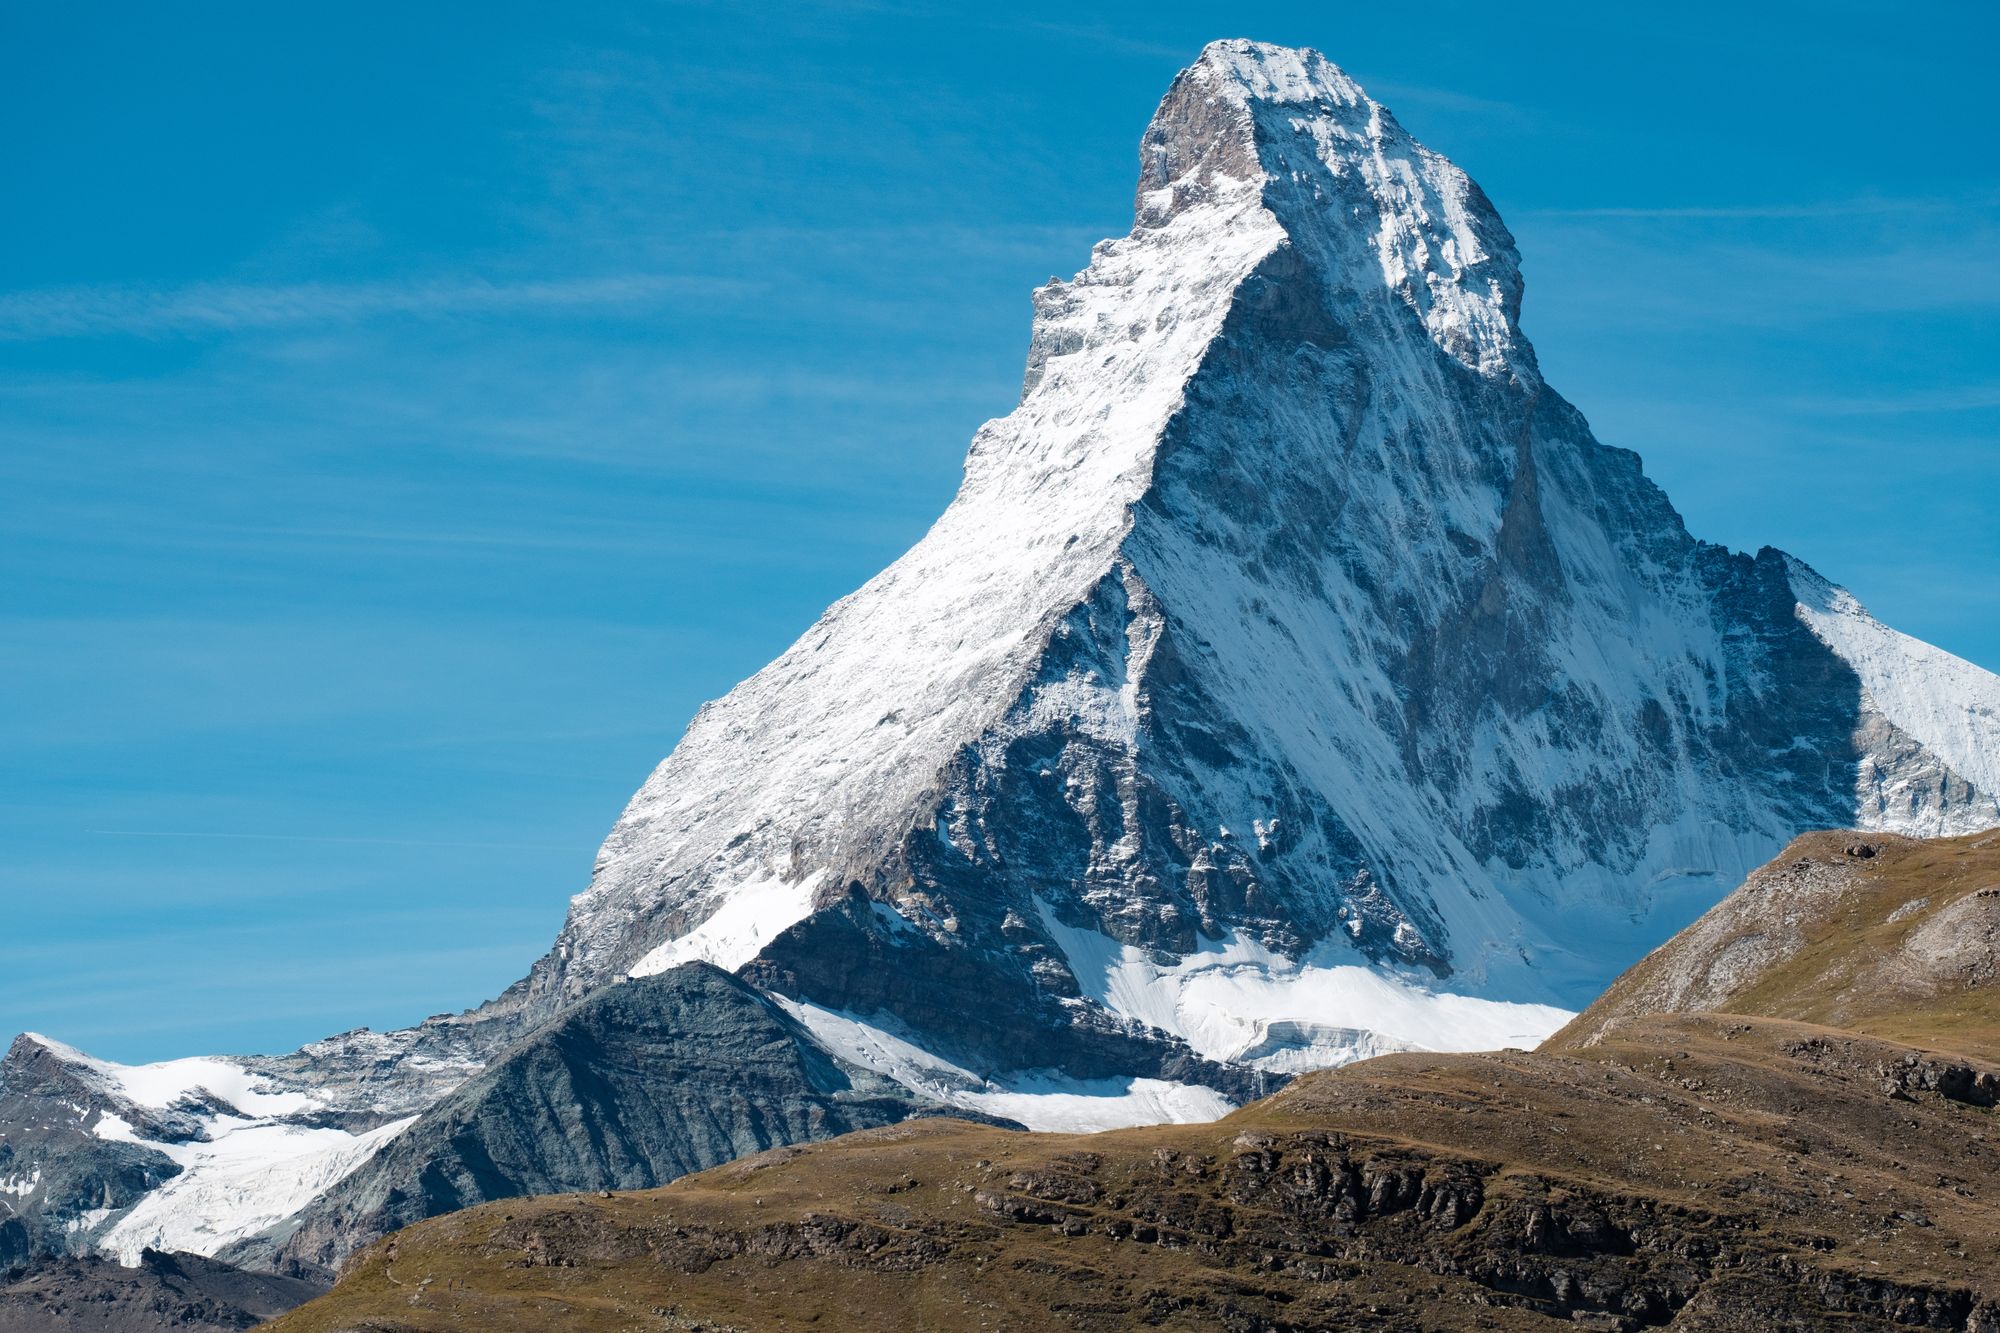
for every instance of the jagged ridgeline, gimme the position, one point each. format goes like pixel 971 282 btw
pixel 1293 678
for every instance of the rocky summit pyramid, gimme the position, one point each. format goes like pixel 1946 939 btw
pixel 1293 678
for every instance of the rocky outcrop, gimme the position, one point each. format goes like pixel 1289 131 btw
pixel 1887 935
pixel 162 1293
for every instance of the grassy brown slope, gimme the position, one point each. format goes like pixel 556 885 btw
pixel 1716 1173
pixel 1903 943
pixel 1647 1168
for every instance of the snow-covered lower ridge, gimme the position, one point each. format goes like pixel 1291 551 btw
pixel 246 1176
pixel 1950 705
pixel 1039 1100
pixel 1235 1000
pixel 248 1147
pixel 166 1083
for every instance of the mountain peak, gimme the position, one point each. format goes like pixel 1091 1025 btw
pixel 1202 143
pixel 1287 609
pixel 1265 71
pixel 1254 134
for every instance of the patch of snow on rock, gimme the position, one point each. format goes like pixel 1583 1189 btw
pixel 746 918
pixel 1042 1102
pixel 248 1176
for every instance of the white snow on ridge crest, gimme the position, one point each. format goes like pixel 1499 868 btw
pixel 1946 703
pixel 843 733
pixel 1278 73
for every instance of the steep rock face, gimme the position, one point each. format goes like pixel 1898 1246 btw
pixel 637 1085
pixel 1292 624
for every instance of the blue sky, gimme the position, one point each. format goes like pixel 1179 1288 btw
pixel 410 413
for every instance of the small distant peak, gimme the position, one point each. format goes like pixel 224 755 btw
pixel 1265 72
pixel 61 1050
pixel 1812 588
pixel 46 1043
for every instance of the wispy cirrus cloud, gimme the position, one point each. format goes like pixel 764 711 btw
pixel 1102 35
pixel 1396 92
pixel 1776 212
pixel 1973 398
pixel 223 307
pixel 329 838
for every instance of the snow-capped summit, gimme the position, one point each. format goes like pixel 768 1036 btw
pixel 1291 138
pixel 1264 170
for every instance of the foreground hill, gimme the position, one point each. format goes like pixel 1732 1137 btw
pixel 1651 1165
pixel 1896 937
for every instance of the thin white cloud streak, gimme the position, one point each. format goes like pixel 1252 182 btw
pixel 1394 91
pixel 1101 36
pixel 142 311
pixel 1832 208
pixel 1972 399
pixel 1710 283
pixel 307 837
